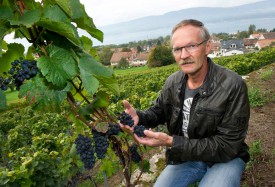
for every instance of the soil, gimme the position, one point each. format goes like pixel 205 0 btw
pixel 261 171
pixel 262 129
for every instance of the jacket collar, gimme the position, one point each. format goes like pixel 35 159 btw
pixel 208 85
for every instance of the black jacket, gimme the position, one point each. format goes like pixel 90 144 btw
pixel 218 118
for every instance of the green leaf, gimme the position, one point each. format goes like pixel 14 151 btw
pixel 71 7
pixel 87 43
pixel 59 66
pixel 101 100
pixel 22 32
pixel 73 150
pixel 30 52
pixel 55 13
pixel 42 96
pixel 5 14
pixel 29 18
pixel 4 45
pixel 3 101
pixel 92 72
pixel 15 51
pixel 86 23
pixel 64 29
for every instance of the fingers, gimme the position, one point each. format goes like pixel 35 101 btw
pixel 127 105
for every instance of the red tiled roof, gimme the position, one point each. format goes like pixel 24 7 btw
pixel 142 56
pixel 269 35
pixel 118 55
pixel 265 42
pixel 249 41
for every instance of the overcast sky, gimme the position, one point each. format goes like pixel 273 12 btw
pixel 106 12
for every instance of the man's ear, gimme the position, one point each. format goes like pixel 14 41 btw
pixel 208 47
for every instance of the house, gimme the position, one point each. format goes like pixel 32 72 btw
pixel 232 47
pixel 268 35
pixel 117 56
pixel 140 59
pixel 249 43
pixel 265 43
pixel 215 49
pixel 254 36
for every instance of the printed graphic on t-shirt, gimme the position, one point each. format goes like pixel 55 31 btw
pixel 186 113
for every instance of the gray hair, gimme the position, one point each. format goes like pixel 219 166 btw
pixel 203 31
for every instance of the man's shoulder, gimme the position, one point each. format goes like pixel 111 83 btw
pixel 175 77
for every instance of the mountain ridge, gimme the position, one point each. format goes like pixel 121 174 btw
pixel 216 19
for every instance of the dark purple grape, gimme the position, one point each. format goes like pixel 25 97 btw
pixel 126 119
pixel 139 130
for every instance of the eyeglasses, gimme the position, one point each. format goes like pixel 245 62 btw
pixel 189 48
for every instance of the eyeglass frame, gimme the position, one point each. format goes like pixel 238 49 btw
pixel 186 48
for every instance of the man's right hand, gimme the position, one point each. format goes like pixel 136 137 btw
pixel 131 111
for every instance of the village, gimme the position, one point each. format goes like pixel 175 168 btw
pixel 220 48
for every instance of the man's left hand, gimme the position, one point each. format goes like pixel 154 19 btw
pixel 155 139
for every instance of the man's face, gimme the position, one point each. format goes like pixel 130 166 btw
pixel 190 50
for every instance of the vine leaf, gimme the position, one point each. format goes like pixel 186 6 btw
pixel 71 7
pixel 5 13
pixel 59 66
pixel 41 96
pixel 100 101
pixel 29 18
pixel 77 13
pixel 62 28
pixel 3 100
pixel 55 13
pixel 92 72
pixel 15 51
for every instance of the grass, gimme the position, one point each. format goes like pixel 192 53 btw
pixel 256 98
pixel 12 97
pixel 267 74
pixel 130 70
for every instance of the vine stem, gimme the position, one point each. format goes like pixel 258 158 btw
pixel 81 118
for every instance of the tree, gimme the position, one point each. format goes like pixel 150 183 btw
pixel 123 63
pixel 139 49
pixel 261 30
pixel 105 55
pixel 125 49
pixel 251 29
pixel 242 34
pixel 160 56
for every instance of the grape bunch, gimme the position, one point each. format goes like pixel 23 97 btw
pixel 101 143
pixel 22 70
pixel 126 119
pixel 4 83
pixel 85 149
pixel 113 129
pixel 134 153
pixel 139 130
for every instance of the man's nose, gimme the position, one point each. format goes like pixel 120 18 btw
pixel 184 53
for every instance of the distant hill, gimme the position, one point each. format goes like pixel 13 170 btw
pixel 229 20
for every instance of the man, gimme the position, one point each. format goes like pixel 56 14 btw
pixel 206 110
